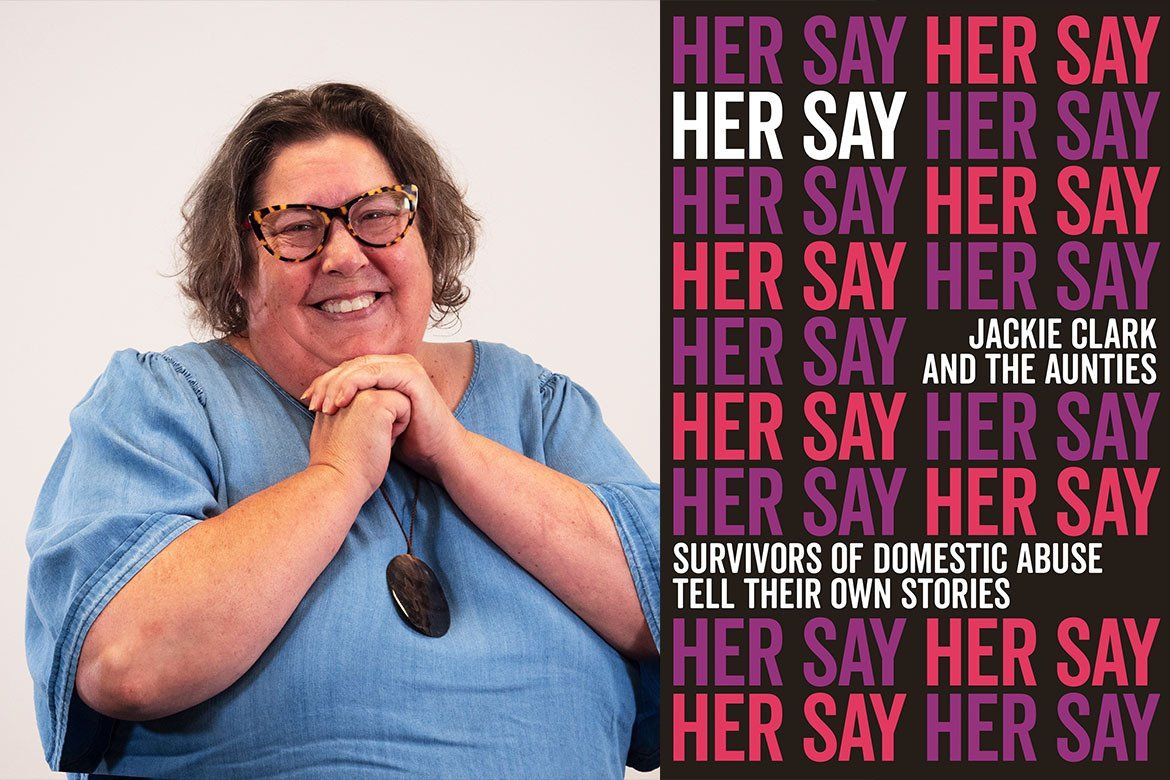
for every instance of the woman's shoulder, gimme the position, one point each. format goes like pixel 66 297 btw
pixel 514 364
pixel 488 376
pixel 468 361
pixel 141 375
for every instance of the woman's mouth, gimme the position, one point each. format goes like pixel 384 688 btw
pixel 344 307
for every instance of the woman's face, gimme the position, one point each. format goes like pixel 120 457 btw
pixel 287 328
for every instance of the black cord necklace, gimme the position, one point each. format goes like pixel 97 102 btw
pixel 414 588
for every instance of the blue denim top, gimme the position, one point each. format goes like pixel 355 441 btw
pixel 520 686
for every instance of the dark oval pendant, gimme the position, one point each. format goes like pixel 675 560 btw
pixel 418 595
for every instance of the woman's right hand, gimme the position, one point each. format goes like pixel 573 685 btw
pixel 357 439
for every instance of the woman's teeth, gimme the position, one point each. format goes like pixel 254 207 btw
pixel 338 306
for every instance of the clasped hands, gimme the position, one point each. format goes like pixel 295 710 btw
pixel 373 404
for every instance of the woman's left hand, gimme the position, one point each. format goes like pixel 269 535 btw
pixel 433 432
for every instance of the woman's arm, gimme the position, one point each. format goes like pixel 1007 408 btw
pixel 203 610
pixel 195 618
pixel 557 529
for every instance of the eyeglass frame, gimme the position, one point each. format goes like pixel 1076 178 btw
pixel 342 211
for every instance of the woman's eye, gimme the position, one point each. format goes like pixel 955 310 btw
pixel 299 227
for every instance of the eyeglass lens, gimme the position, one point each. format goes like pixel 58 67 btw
pixel 376 219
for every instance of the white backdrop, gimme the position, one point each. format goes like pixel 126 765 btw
pixel 540 108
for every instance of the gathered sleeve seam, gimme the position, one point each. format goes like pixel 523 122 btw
pixel 201 396
pixel 545 379
pixel 186 374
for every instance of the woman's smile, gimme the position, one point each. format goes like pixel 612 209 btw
pixel 357 307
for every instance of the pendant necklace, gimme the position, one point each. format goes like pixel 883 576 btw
pixel 414 588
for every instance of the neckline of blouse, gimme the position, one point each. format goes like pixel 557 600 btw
pixel 477 360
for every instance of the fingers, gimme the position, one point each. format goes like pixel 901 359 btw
pixel 401 407
pixel 393 403
pixel 397 404
pixel 336 388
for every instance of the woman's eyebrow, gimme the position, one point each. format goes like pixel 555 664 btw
pixel 327 202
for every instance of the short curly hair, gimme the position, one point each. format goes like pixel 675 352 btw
pixel 217 257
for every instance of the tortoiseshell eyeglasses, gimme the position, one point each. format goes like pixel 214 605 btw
pixel 295 232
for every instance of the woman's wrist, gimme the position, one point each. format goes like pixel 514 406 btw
pixel 339 485
pixel 453 459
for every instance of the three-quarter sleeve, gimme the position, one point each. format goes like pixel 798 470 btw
pixel 139 468
pixel 578 443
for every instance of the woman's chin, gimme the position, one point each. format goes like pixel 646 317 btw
pixel 383 342
pixel 378 333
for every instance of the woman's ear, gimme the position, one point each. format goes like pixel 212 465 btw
pixel 241 290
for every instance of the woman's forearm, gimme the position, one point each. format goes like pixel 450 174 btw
pixel 197 617
pixel 557 529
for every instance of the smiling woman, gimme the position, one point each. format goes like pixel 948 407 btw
pixel 252 551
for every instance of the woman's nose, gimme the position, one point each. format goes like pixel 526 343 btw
pixel 342 253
